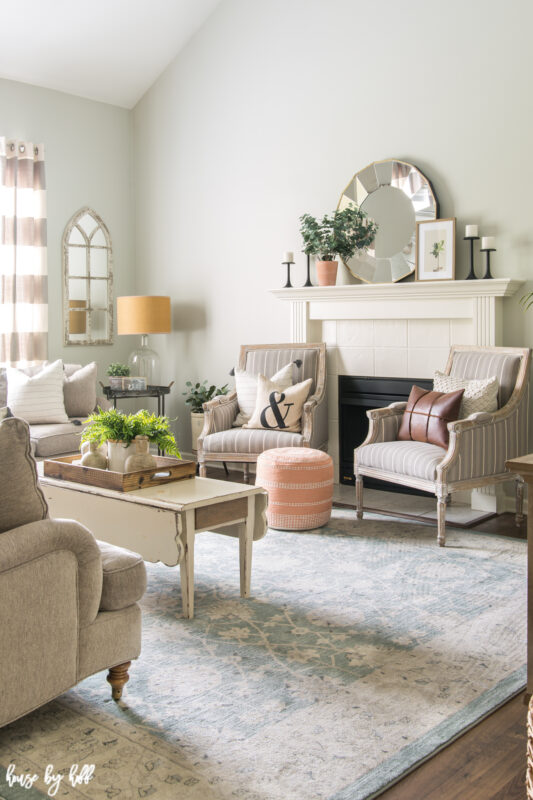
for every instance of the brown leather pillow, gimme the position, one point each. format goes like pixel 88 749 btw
pixel 427 415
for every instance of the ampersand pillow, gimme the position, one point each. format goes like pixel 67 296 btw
pixel 277 410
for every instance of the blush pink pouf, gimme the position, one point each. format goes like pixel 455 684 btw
pixel 299 482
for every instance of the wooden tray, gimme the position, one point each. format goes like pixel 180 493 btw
pixel 69 468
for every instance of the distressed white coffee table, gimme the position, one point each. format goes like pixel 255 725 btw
pixel 161 522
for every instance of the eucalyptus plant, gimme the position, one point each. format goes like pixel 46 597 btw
pixel 117 426
pixel 340 234
pixel 118 370
pixel 199 393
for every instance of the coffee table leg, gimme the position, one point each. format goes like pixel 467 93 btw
pixel 246 534
pixel 187 567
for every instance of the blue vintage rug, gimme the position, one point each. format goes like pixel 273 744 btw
pixel 365 648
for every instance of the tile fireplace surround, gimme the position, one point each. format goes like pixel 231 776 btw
pixel 396 330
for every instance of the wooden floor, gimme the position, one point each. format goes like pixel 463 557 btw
pixel 489 761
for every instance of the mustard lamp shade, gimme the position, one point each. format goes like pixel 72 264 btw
pixel 138 314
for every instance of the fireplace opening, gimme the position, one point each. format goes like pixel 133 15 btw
pixel 358 394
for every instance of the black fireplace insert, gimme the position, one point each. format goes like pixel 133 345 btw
pixel 356 396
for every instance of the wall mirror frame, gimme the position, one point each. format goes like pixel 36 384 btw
pixel 397 195
pixel 87 255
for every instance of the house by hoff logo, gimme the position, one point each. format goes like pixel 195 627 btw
pixel 275 406
pixel 76 775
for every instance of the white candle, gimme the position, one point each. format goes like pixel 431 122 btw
pixel 471 230
pixel 288 257
pixel 488 243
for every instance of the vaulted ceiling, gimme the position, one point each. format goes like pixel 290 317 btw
pixel 107 50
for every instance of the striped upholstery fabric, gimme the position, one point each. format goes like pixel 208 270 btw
pixel 223 416
pixel 485 449
pixel 268 362
pixel 474 364
pixel 299 482
pixel 416 459
pixel 386 428
pixel 245 440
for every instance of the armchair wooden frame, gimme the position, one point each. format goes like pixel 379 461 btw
pixel 466 463
pixel 220 412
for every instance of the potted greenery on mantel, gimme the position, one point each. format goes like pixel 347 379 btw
pixel 195 396
pixel 341 234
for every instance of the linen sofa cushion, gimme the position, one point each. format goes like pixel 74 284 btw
pixel 473 364
pixel 416 459
pixel 37 399
pixel 124 577
pixel 427 414
pixel 21 499
pixel 79 391
pixel 246 387
pixel 279 410
pixel 252 441
pixel 55 438
pixel 479 395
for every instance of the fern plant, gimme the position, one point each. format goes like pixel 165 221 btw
pixel 116 426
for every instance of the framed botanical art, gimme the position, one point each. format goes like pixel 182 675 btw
pixel 435 250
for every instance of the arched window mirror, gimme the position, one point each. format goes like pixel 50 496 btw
pixel 87 280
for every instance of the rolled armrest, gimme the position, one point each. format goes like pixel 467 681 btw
pixel 219 414
pixel 388 411
pixel 384 423
pixel 36 539
pixel 473 421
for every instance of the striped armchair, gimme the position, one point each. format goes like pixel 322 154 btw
pixel 479 445
pixel 220 441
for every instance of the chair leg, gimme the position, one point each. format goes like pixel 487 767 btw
pixel 118 677
pixel 358 497
pixel 519 516
pixel 202 469
pixel 246 472
pixel 441 519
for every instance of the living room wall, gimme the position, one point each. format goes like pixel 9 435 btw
pixel 267 114
pixel 88 160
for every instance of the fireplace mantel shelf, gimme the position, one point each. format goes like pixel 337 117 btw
pixel 479 301
pixel 496 287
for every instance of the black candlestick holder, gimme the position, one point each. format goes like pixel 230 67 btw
pixel 471 275
pixel 308 281
pixel 488 251
pixel 288 285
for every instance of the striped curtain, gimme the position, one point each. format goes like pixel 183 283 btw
pixel 23 270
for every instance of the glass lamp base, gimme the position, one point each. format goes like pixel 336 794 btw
pixel 144 363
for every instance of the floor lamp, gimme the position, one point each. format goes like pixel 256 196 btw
pixel 144 315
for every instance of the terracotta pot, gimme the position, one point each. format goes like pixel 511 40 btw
pixel 326 272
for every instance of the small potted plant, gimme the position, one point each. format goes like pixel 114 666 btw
pixel 119 430
pixel 341 234
pixel 196 395
pixel 117 372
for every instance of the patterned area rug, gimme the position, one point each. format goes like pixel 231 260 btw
pixel 364 649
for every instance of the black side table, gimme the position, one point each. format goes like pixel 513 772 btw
pixel 150 391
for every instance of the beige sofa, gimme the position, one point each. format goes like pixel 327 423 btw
pixel 54 439
pixel 69 604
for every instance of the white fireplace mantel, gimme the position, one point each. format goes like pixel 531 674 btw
pixel 476 300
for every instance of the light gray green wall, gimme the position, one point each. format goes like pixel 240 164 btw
pixel 88 163
pixel 271 109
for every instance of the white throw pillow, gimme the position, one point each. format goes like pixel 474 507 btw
pixel 246 388
pixel 277 410
pixel 37 399
pixel 79 390
pixel 481 394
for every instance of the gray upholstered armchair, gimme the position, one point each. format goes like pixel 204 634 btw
pixel 479 445
pixel 220 441
pixel 68 603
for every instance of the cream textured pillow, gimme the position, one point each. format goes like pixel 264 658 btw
pixel 246 388
pixel 277 410
pixel 37 399
pixel 79 391
pixel 481 394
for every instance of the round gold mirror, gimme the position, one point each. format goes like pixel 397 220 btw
pixel 397 196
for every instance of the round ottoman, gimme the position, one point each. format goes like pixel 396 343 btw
pixel 299 482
